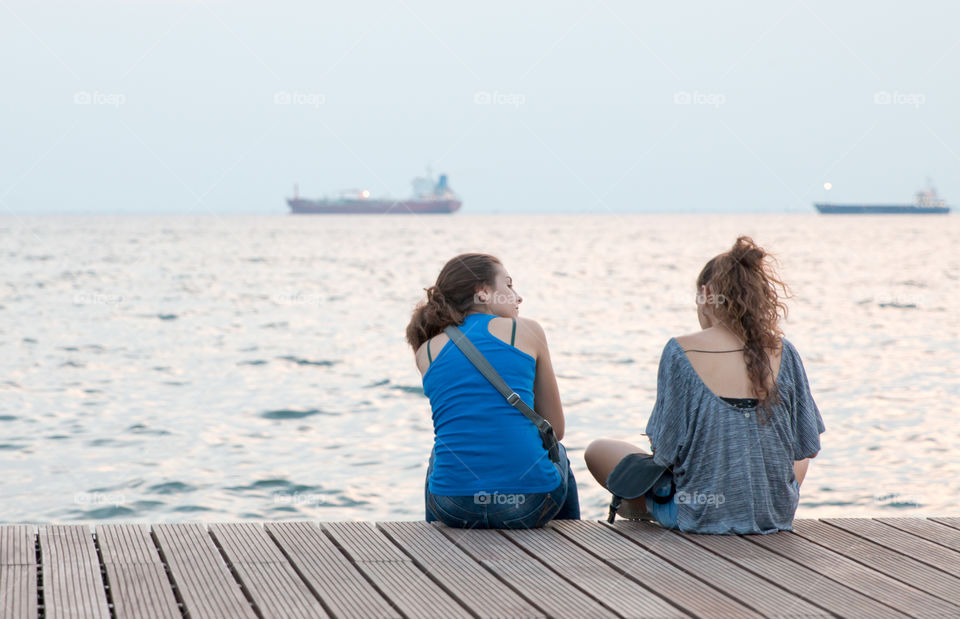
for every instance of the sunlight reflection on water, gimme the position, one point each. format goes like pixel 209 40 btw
pixel 182 368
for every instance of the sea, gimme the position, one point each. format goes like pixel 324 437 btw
pixel 207 368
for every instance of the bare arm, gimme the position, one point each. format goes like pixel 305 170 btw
pixel 800 468
pixel 545 391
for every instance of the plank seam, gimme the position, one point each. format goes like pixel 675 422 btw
pixel 166 568
pixel 932 541
pixel 41 609
pixel 665 560
pixel 234 573
pixel 484 565
pixel 946 524
pixel 426 572
pixel 618 570
pixel 300 574
pixel 899 552
pixel 362 571
pixel 103 577
pixel 891 576
pixel 841 583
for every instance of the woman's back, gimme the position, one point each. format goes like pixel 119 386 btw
pixel 718 358
pixel 482 442
pixel 733 472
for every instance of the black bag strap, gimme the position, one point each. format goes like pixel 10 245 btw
pixel 480 362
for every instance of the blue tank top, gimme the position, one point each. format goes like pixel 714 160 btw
pixel 481 442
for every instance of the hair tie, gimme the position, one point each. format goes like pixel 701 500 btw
pixel 434 294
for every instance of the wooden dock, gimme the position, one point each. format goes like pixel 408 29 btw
pixel 857 567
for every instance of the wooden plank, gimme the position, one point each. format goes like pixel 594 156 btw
pixel 276 588
pixel 18 591
pixel 529 577
pixel 18 571
pixel 456 572
pixel 832 561
pixel 763 596
pixel 895 565
pixel 204 582
pixel 72 583
pixel 900 541
pixel 950 522
pixel 17 545
pixel 328 572
pixel 392 572
pixel 792 572
pixel 927 529
pixel 138 582
pixel 889 567
pixel 617 589
pixel 682 589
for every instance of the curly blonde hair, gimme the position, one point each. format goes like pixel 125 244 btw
pixel 745 286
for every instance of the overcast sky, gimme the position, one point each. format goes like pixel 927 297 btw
pixel 183 106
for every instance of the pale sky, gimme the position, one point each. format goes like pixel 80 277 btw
pixel 211 106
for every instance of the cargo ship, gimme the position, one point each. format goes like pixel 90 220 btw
pixel 428 197
pixel 926 202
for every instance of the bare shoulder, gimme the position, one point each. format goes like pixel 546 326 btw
pixel 692 340
pixel 526 324
pixel 709 339
pixel 421 356
pixel 526 334
pixel 530 325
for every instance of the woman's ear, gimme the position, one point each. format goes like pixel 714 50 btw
pixel 482 294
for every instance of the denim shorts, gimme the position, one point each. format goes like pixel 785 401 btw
pixel 664 513
pixel 493 510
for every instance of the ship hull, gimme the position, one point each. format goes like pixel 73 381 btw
pixel 880 209
pixel 372 207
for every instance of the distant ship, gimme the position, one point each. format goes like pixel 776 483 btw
pixel 428 197
pixel 925 202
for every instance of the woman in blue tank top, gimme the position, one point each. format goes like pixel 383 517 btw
pixel 488 467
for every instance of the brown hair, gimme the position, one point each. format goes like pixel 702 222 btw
pixel 452 295
pixel 744 283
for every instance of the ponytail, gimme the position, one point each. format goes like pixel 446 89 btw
pixel 745 286
pixel 449 299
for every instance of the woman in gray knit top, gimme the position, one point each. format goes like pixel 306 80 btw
pixel 734 418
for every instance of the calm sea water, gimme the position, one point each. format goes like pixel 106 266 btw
pixel 218 368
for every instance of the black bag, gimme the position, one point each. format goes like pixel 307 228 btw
pixel 633 477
